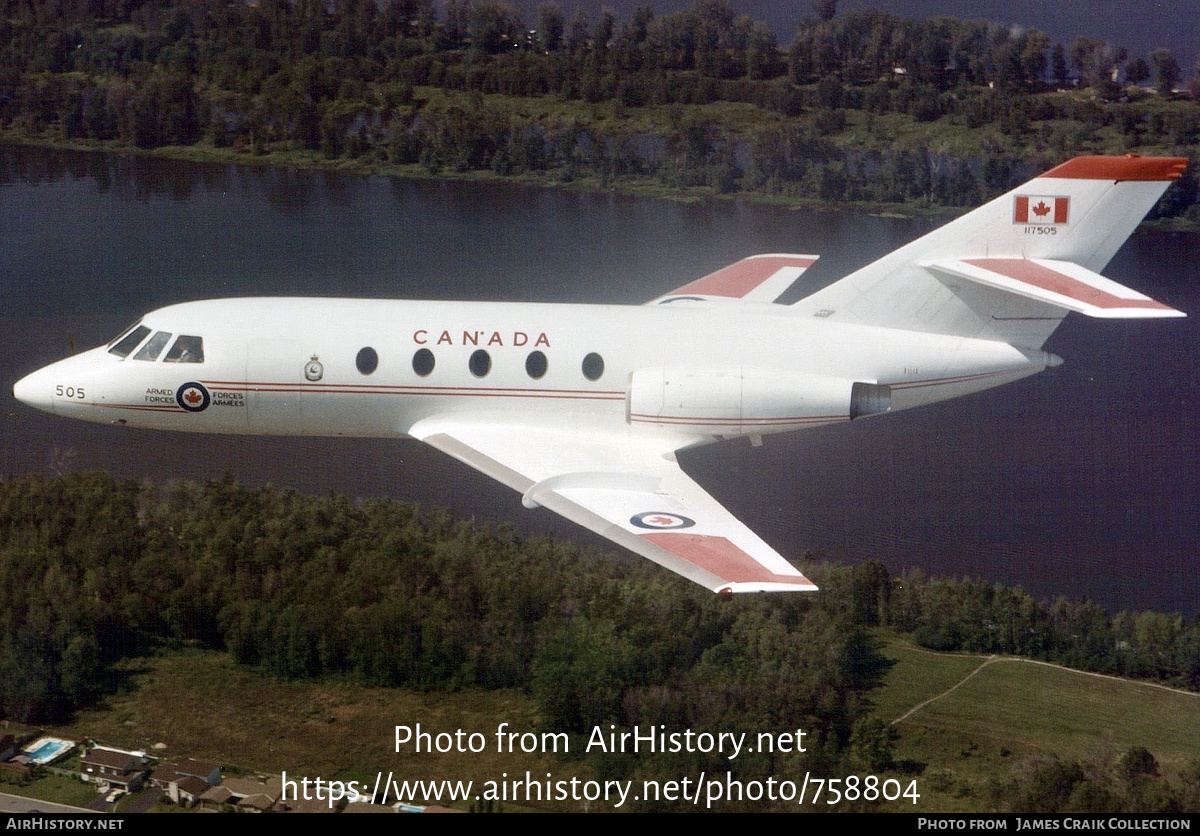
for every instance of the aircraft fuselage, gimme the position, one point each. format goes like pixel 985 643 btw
pixel 372 368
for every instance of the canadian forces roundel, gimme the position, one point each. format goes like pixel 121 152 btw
pixel 192 396
pixel 660 520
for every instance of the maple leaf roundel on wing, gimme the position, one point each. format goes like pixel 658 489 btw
pixel 661 520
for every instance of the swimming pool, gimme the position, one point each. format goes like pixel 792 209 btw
pixel 47 749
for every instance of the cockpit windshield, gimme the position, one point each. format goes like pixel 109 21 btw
pixel 123 345
pixel 187 348
pixel 153 346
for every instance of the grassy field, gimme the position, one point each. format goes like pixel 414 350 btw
pixel 202 705
pixel 1011 713
pixel 974 724
pixel 57 788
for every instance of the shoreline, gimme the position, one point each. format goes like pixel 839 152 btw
pixel 641 187
pixel 637 187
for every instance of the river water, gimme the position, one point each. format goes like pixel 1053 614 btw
pixel 1080 481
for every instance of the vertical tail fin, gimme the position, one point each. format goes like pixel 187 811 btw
pixel 1071 220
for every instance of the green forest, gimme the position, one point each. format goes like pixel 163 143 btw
pixel 861 106
pixel 378 592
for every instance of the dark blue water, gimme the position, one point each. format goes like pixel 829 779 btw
pixel 1078 482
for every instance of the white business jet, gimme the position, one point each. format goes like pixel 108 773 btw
pixel 582 408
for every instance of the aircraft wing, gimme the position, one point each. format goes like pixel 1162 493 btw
pixel 626 487
pixel 758 278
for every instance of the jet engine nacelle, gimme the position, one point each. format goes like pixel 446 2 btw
pixel 746 401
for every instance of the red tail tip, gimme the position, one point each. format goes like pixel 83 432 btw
pixel 1129 167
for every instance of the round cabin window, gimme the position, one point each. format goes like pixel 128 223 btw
pixel 536 365
pixel 423 362
pixel 593 366
pixel 480 363
pixel 367 360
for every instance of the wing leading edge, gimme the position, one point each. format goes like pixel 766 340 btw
pixel 629 489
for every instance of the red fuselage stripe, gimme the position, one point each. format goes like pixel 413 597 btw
pixel 532 394
pixel 943 381
pixel 700 419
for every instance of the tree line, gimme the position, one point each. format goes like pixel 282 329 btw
pixel 378 592
pixel 93 570
pixel 403 83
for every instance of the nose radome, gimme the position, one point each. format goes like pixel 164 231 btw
pixel 35 390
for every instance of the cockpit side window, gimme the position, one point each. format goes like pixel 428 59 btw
pixel 186 350
pixel 126 330
pixel 129 342
pixel 153 346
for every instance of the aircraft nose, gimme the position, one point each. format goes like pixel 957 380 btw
pixel 35 390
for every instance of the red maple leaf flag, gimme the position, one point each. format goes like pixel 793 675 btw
pixel 1040 209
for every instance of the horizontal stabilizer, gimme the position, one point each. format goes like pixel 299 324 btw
pixel 1059 283
pixel 758 278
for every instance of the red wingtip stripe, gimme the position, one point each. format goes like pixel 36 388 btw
pixel 738 279
pixel 1129 167
pixel 720 557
